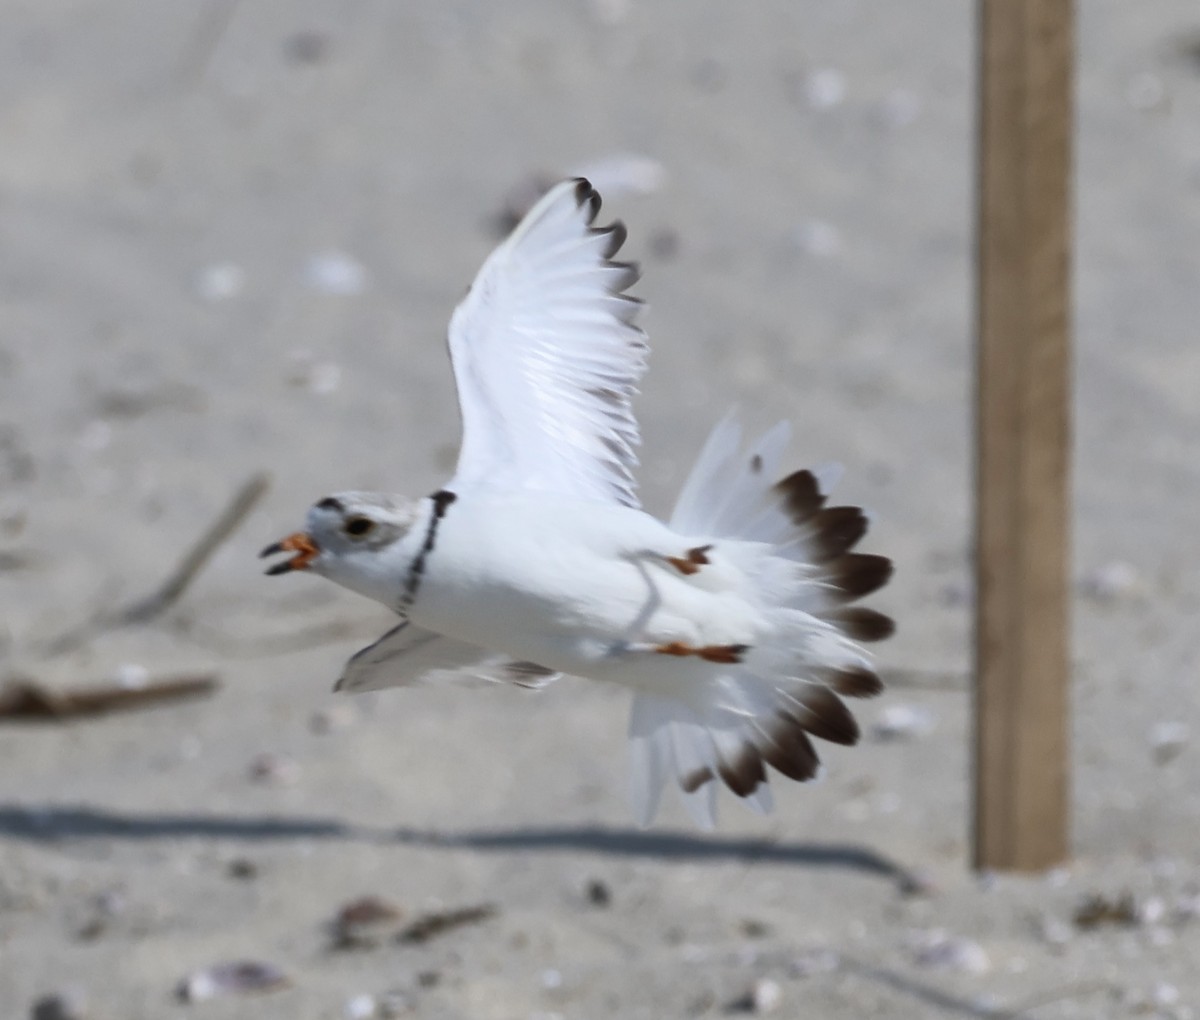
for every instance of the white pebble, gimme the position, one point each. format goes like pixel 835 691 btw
pixel 904 721
pixel 220 282
pixel 941 951
pixel 1111 582
pixel 1151 910
pixel 131 675
pixel 1165 994
pixel 899 109
pixel 825 88
pixel 238 977
pixel 1168 739
pixel 361 1007
pixel 816 237
pixel 766 996
pixel 324 377
pixel 335 272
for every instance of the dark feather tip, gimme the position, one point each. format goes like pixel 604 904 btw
pixel 837 530
pixel 801 494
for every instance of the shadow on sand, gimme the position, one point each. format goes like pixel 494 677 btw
pixel 50 824
pixel 60 824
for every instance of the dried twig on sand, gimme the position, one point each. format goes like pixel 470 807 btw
pixel 179 580
pixel 198 555
pixel 22 700
pixel 431 925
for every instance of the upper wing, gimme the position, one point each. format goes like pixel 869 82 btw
pixel 547 358
pixel 408 654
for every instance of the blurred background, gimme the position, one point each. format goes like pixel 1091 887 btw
pixel 231 235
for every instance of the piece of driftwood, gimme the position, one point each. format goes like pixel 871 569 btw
pixel 27 700
pixel 431 925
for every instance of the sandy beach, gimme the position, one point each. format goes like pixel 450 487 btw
pixel 231 236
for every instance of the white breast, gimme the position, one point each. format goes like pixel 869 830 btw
pixel 564 584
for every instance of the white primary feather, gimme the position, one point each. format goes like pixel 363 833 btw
pixel 729 725
pixel 546 358
pixel 408 654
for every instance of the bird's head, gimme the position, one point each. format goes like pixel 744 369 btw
pixel 352 538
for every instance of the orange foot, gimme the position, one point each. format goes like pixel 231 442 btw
pixel 692 561
pixel 709 653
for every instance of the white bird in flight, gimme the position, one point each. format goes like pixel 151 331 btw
pixel 733 623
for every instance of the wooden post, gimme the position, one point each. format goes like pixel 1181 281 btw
pixel 1022 807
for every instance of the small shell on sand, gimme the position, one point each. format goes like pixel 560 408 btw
pixel 274 768
pixel 1168 740
pixel 335 272
pixel 941 951
pixel 362 923
pixel 237 977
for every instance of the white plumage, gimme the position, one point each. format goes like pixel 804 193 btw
pixel 732 623
pixel 547 359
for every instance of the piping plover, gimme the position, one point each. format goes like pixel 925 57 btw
pixel 734 623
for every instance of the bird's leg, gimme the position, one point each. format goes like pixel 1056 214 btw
pixel 709 653
pixel 728 654
pixel 691 561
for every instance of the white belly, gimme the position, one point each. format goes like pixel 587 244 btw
pixel 562 584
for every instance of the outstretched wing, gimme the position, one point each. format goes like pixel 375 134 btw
pixel 547 358
pixel 408 655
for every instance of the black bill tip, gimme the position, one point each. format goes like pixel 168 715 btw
pixel 279 568
pixel 271 550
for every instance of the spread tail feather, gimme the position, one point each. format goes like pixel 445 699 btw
pixel 766 710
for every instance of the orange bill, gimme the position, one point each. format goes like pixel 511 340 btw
pixel 301 544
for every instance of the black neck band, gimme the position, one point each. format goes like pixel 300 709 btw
pixel 441 502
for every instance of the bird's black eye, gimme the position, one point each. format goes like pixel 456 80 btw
pixel 356 527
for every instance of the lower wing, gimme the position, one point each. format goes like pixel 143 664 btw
pixel 408 654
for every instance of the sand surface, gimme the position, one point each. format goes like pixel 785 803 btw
pixel 231 234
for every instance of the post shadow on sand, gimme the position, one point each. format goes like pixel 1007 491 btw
pixel 59 823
